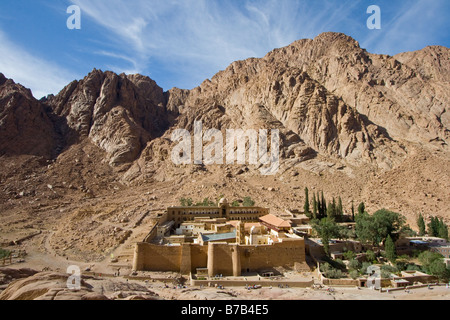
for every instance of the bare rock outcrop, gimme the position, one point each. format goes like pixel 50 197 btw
pixel 47 286
pixel 119 113
pixel 25 127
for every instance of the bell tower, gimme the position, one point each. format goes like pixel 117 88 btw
pixel 223 206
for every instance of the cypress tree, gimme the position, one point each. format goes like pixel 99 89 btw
pixel 335 209
pixel 421 225
pixel 433 227
pixel 389 247
pixel 340 209
pixel 361 208
pixel 306 206
pixel 314 207
pixel 324 206
pixel 442 230
pixel 319 207
pixel 353 211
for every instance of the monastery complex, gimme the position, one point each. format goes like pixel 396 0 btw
pixel 222 240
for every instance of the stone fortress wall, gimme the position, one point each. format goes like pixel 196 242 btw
pixel 227 259
pixel 218 258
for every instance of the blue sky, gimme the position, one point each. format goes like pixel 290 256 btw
pixel 180 43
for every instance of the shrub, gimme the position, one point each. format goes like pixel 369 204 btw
pixel 371 256
pixel 354 274
pixel 354 264
pixel 334 274
pixel 349 255
pixel 389 269
pixel 339 264
pixel 4 253
pixel 364 267
pixel 330 272
pixel 248 202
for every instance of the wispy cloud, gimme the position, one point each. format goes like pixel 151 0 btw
pixel 41 76
pixel 196 38
pixel 412 26
pixel 187 41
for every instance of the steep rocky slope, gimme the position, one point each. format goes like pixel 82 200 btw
pixel 118 113
pixel 25 127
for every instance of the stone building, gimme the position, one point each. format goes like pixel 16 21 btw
pixel 224 210
pixel 217 249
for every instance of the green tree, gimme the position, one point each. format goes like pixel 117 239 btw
pixel 319 207
pixel 364 228
pixel 314 214
pixel 421 225
pixel 331 210
pixel 364 267
pixel 371 256
pixel 361 208
pixel 186 202
pixel 306 206
pixel 327 229
pixel 324 206
pixel 433 264
pixel 353 211
pixel 248 202
pixel 349 255
pixel 433 227
pixel 442 230
pixel 354 264
pixel 376 228
pixel 339 209
pixel 389 247
pixel 235 203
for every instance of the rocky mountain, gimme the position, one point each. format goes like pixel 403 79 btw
pixel 118 113
pixel 327 95
pixel 363 126
pixel 25 127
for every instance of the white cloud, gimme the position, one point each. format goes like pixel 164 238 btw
pixel 416 25
pixel 197 37
pixel 41 76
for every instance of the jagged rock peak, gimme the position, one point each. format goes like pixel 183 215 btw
pixel 119 113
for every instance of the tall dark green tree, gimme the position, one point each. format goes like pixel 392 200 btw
pixel 353 211
pixel 421 225
pixel 324 207
pixel 442 230
pixel 389 248
pixel 339 209
pixel 331 209
pixel 433 227
pixel 314 214
pixel 306 205
pixel 361 208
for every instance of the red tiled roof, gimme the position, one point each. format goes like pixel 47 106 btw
pixel 272 220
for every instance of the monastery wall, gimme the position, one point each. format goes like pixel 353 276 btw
pixel 219 258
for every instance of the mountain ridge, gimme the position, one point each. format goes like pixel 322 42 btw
pixel 363 126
